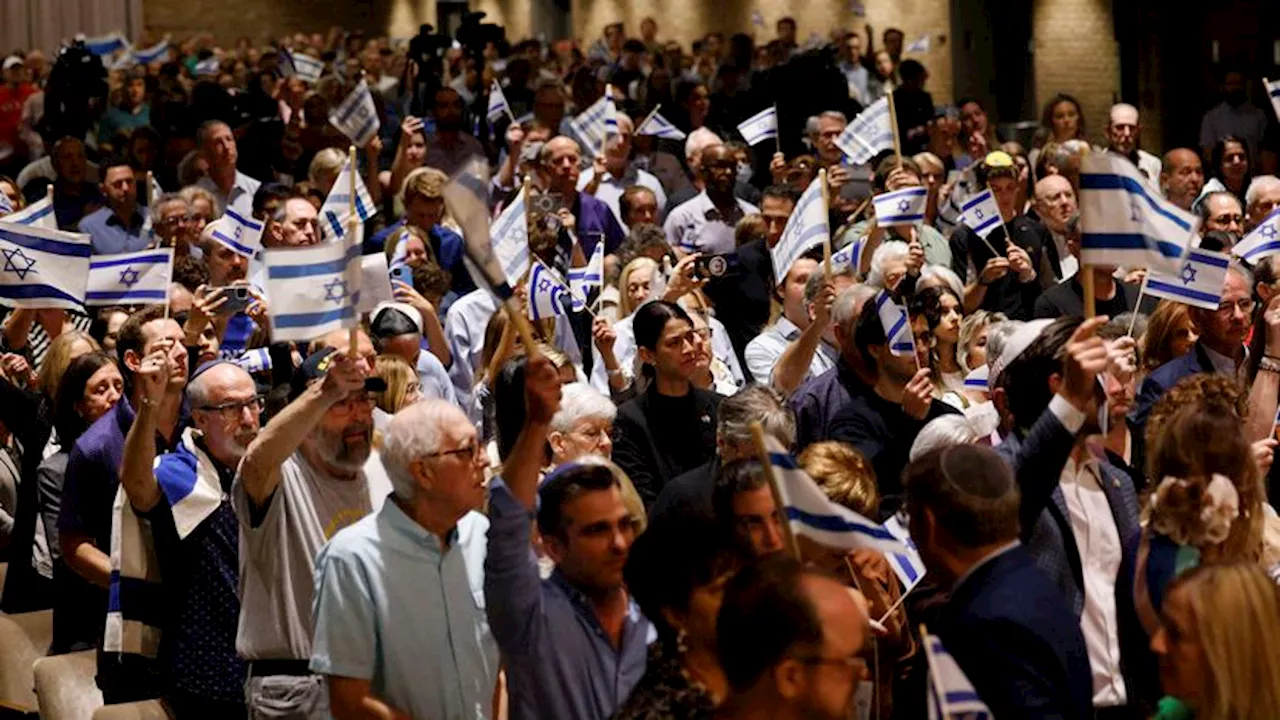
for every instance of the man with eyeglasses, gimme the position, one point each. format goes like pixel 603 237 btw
pixel 1221 212
pixel 1220 348
pixel 373 619
pixel 301 481
pixel 194 530
pixel 174 226
pixel 791 640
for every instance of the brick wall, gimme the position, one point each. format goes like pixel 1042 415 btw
pixel 1076 53
pixel 261 19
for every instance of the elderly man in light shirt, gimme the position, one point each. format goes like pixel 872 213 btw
pixel 763 353
pixel 1260 199
pixel 400 624
pixel 620 173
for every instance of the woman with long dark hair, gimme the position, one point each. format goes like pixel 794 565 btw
pixel 670 428
pixel 1229 165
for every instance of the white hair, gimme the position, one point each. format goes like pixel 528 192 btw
pixel 944 273
pixel 699 140
pixel 946 431
pixel 888 251
pixel 1259 185
pixel 579 401
pixel 413 433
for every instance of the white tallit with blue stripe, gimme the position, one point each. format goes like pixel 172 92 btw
pixel 190 484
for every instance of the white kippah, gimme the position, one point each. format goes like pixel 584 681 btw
pixel 1015 345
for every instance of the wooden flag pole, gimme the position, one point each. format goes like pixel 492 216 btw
pixel 762 454
pixel 1086 282
pixel 826 240
pixel 648 117
pixel 893 121
pixel 353 335
pixel 1133 321
pixel 1008 240
pixel 777 132
pixel 514 307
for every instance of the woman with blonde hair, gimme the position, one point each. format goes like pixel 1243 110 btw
pixel 1219 645
pixel 66 347
pixel 634 283
pixel 403 386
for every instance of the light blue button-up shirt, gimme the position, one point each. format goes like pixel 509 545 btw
pixel 395 608
pixel 240 197
pixel 764 351
pixel 560 663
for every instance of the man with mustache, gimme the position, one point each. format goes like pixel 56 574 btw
pixel 301 481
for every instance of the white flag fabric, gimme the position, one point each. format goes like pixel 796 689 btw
pixel 977 378
pixel 497 103
pixel 1199 283
pixel 136 278
pixel 254 361
pixel 761 126
pixel 908 566
pixel 900 207
pixel 1261 242
pixel 357 116
pixel 336 210
pixel 313 290
pixel 590 126
pixel 951 695
pixel 510 237
pixel 896 323
pixel 38 214
pixel 304 66
pixel 981 214
pixel 106 44
pixel 43 268
pixel 548 297
pixel 610 113
pixel 849 256
pixel 870 134
pixel 375 282
pixel 812 514
pixel 154 192
pixel 1273 92
pixel 208 67
pixel 1124 222
pixel 806 229
pixel 919 45
pixel 659 126
pixel 238 232
pixel 585 279
pixel 6 206
pixel 156 52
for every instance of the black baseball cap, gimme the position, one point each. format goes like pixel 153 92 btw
pixel 316 366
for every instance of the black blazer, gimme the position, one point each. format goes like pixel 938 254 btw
pixel 638 454
pixel 1011 632
pixel 1006 295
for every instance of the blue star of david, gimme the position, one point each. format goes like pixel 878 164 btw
pixel 129 277
pixel 799 226
pixel 335 291
pixel 1268 230
pixel 978 213
pixel 239 232
pixel 17 262
pixel 903 205
pixel 1188 274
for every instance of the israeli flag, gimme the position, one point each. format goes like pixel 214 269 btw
pixel 136 278
pixel 106 44
pixel 304 66
pixel 548 297
pixel 313 290
pixel 238 232
pixel 6 206
pixel 806 229
pixel 254 361
pixel 870 134
pixel 1200 282
pixel 761 126
pixel 43 268
pixel 849 256
pixel 510 238
pixel 1261 242
pixel 336 211
pixel 981 214
pixel 610 113
pixel 156 52
pixel 907 565
pixel 659 126
pixel 497 103
pixel 897 325
pixel 919 45
pixel 1273 92
pixel 1124 222
pixel 37 214
pixel 951 695
pixel 757 18
pixel 357 116
pixel 812 514
pixel 900 207
pixel 977 378
pixel 590 126
pixel 208 67
pixel 585 279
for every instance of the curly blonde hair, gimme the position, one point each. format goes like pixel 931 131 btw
pixel 843 474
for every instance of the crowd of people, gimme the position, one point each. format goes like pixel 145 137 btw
pixel 430 517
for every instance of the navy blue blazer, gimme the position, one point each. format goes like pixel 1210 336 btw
pixel 1153 388
pixel 1014 636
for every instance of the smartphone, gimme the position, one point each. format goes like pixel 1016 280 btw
pixel 715 266
pixel 403 273
pixel 548 202
pixel 237 297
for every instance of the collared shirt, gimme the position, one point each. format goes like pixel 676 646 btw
pixel 240 197
pixel 818 400
pixel 611 188
pixel 1223 364
pixel 1098 542
pixel 1068 262
pixel 856 75
pixel 110 235
pixel 596 223
pixel 762 353
pixel 697 226
pixel 560 663
pixel 434 379
pixel 994 554
pixel 396 608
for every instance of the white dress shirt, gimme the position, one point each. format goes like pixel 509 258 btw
pixel 696 226
pixel 764 351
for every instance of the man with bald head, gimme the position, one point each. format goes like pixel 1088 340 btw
pixel 1181 177
pixel 705 223
pixel 560 168
pixel 1124 137
pixel 1056 205
pixel 1262 197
